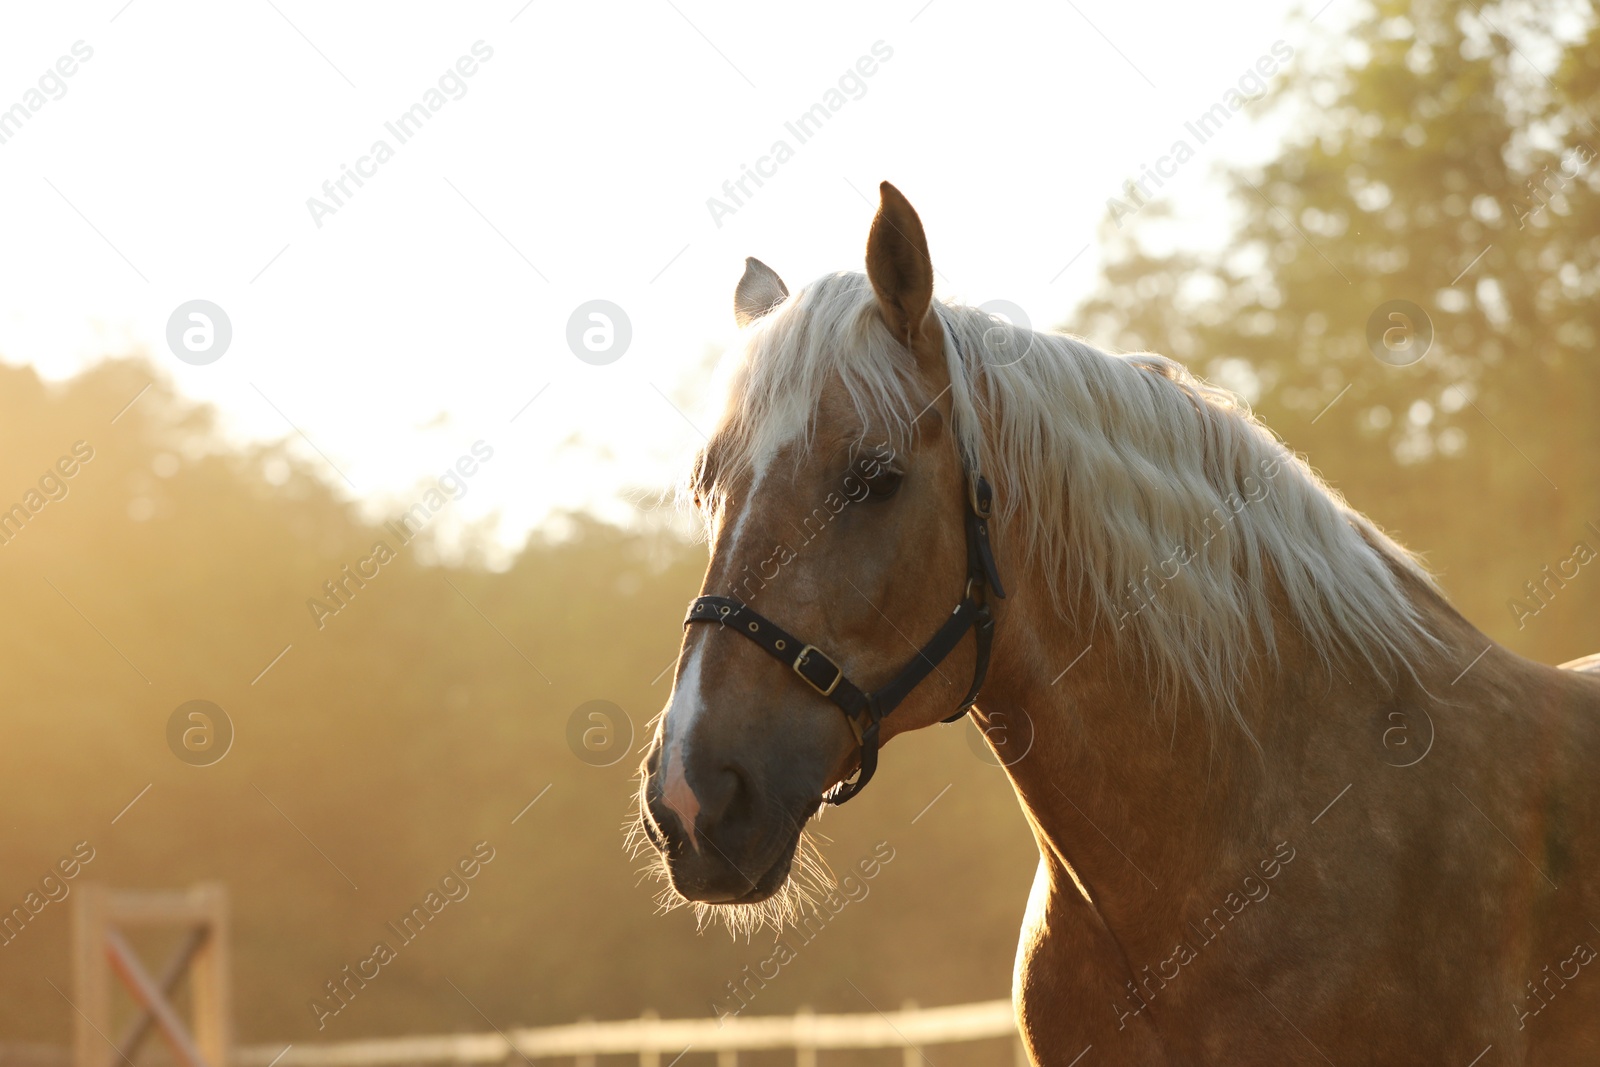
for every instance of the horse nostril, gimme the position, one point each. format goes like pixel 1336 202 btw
pixel 726 798
pixel 690 804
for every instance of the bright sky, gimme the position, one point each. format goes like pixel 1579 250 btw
pixel 175 164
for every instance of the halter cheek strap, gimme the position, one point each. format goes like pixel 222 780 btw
pixel 866 709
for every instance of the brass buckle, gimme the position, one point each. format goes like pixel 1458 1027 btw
pixel 979 507
pixel 838 671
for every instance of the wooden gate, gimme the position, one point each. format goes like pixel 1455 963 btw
pixel 100 951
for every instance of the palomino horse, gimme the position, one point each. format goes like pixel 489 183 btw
pixel 1290 806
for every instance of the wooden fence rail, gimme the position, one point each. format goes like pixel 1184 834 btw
pixel 656 1041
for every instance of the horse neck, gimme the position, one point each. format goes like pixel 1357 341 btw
pixel 1139 797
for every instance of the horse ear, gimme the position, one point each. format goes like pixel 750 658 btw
pixel 899 266
pixel 759 291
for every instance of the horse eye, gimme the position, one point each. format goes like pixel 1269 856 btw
pixel 884 484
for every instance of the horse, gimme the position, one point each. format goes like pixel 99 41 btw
pixel 1290 806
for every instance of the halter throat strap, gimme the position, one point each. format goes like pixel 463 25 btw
pixel 865 709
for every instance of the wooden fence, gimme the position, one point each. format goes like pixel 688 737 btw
pixel 102 956
pixel 659 1042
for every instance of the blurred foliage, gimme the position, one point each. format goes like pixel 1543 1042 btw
pixel 405 731
pixel 1447 157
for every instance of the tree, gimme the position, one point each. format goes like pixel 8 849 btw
pixel 1446 157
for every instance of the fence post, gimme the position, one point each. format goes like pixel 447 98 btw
pixel 91 977
pixel 585 1059
pixel 911 1055
pixel 649 1055
pixel 210 991
pixel 805 1049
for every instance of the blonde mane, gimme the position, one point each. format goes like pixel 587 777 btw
pixel 1154 499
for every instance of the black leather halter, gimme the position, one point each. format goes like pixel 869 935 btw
pixel 865 709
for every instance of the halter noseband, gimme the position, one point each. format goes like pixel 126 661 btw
pixel 865 710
